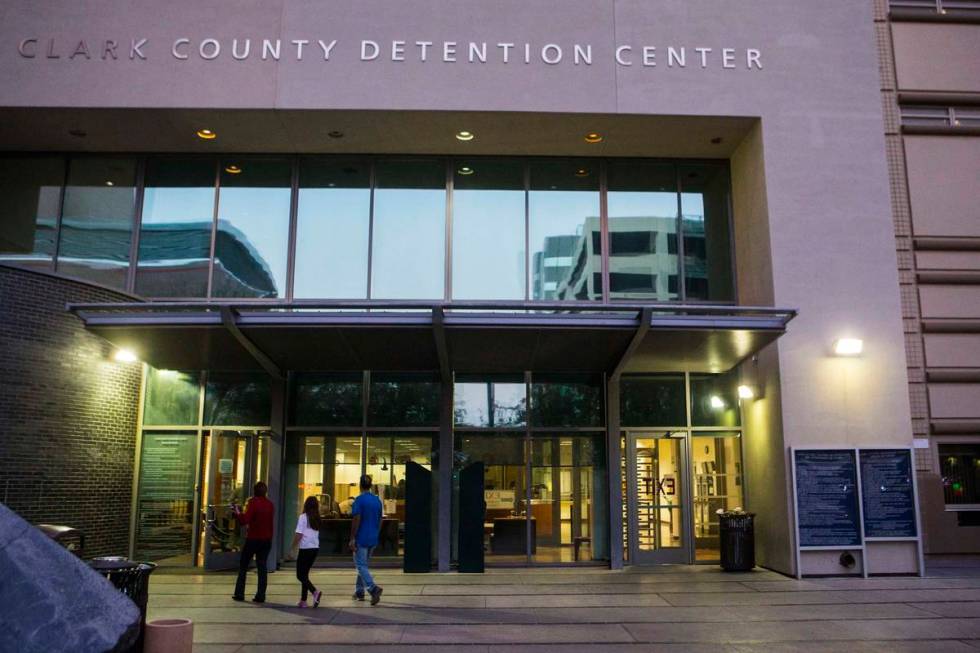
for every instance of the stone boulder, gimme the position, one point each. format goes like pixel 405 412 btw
pixel 51 601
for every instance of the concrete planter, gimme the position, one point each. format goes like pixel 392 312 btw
pixel 169 636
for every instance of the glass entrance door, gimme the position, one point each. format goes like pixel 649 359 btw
pixel 656 488
pixel 229 473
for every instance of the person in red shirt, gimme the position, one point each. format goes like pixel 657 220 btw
pixel 258 518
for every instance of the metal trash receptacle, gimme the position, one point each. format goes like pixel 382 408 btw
pixel 737 535
pixel 132 579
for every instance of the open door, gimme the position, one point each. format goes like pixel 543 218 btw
pixel 229 474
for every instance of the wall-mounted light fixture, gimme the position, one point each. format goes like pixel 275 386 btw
pixel 848 347
pixel 747 392
pixel 124 356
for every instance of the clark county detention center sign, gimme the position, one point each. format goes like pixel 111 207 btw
pixel 79 49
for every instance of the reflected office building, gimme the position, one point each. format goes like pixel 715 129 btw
pixel 564 300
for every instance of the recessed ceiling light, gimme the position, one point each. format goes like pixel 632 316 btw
pixel 593 137
pixel 582 172
pixel 465 170
pixel 465 136
pixel 716 140
pixel 335 134
pixel 78 133
pixel 233 170
pixel 206 134
pixel 109 183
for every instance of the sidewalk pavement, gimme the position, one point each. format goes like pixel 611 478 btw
pixel 549 610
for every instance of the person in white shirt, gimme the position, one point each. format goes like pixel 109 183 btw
pixel 307 540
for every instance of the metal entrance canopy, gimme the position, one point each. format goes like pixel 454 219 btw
pixel 479 337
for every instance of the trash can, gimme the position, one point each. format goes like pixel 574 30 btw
pixel 132 579
pixel 737 534
pixel 70 538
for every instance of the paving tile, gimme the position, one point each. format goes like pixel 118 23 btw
pixel 552 615
pixel 815 598
pixel 249 633
pixel 587 589
pixel 527 634
pixel 231 615
pixel 807 631
pixel 354 648
pixel 951 609
pixel 575 600
pixel 918 646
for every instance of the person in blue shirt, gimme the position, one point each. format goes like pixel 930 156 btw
pixel 364 531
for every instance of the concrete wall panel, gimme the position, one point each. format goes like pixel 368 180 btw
pixel 937 56
pixel 944 178
pixel 955 400
pixel 950 301
pixel 952 350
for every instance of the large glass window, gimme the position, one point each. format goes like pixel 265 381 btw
pixel 329 468
pixel 504 489
pixel 568 497
pixel 714 400
pixel 652 401
pixel 566 400
pixel 175 234
pixel 237 400
pixel 960 465
pixel 327 400
pixel 31 192
pixel 97 222
pixel 172 398
pixel 332 228
pixel 488 229
pixel 401 400
pixel 252 239
pixel 707 237
pixel 387 458
pixel 165 499
pixel 409 238
pixel 642 205
pixel 717 481
pixel 497 403
pixel 565 231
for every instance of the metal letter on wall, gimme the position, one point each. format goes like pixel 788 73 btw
pixel 418 519
pixel 472 508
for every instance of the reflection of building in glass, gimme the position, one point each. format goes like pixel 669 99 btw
pixel 175 250
pixel 643 261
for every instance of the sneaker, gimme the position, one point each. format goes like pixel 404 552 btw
pixel 316 598
pixel 376 595
pixel 302 604
pixel 237 598
pixel 357 596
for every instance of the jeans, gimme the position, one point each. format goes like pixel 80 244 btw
pixel 364 579
pixel 304 562
pixel 260 550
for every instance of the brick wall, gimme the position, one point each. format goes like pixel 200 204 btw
pixel 67 412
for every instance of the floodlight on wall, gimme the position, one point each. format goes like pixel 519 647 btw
pixel 848 347
pixel 124 356
pixel 747 392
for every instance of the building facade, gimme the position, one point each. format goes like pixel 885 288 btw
pixel 605 251
pixel 931 90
